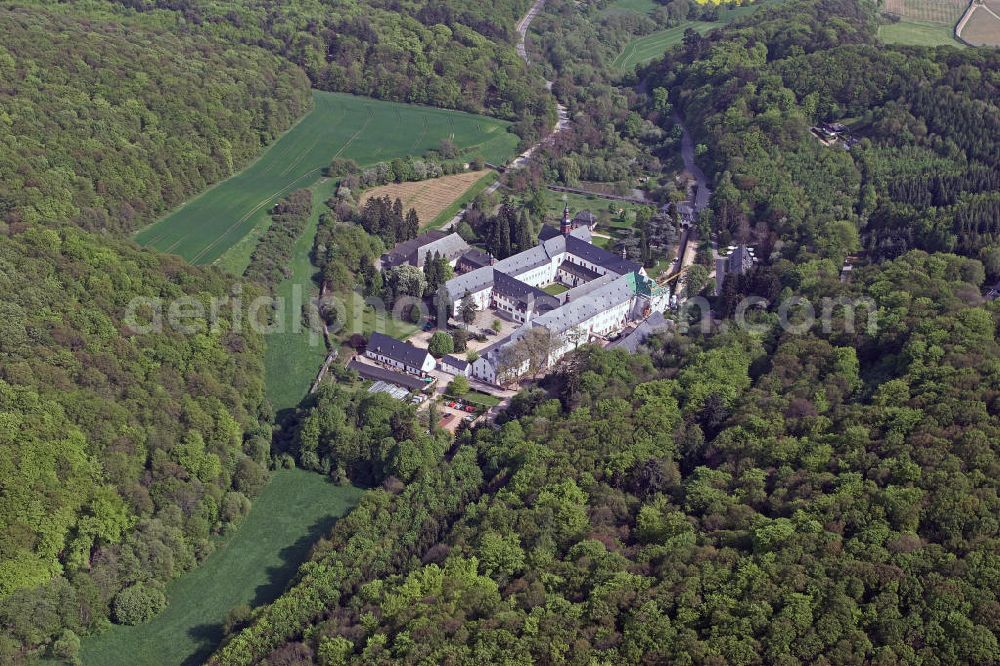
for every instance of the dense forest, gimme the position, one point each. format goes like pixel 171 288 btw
pixel 738 497
pixel 125 451
pixel 108 123
pixel 922 172
pixel 443 53
pixel 827 498
pixel 123 448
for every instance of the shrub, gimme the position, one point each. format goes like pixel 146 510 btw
pixel 138 603
pixel 440 344
pixel 459 386
pixel 67 647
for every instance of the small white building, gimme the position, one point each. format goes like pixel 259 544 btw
pixel 399 355
pixel 455 366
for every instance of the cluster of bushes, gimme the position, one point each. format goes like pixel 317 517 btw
pixel 400 170
pixel 269 261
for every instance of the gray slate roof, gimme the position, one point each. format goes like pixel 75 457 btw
pixel 474 259
pixel 581 309
pixel 524 293
pixel 455 362
pixel 654 323
pixel 600 256
pixel 402 252
pixel 451 247
pixel 523 262
pixel 414 251
pixel 471 282
pixel 367 371
pixel 397 350
pixel 581 272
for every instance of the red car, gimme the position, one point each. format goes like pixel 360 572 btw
pixel 470 408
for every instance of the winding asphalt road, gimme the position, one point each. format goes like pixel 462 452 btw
pixel 562 120
pixel 687 154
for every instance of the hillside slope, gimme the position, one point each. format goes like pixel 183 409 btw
pixel 108 123
pixel 122 454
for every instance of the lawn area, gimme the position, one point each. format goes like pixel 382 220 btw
pixel 918 34
pixel 252 566
pixel 555 201
pixel 641 50
pixel 293 354
pixel 478 398
pixel 649 47
pixel 359 128
pixel 555 289
pixel 631 6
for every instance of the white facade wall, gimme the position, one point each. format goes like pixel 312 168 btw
pixel 427 366
pixel 452 370
pixel 393 363
pixel 429 363
pixel 600 270
pixel 542 275
pixel 480 298
pixel 612 320
pixel 483 370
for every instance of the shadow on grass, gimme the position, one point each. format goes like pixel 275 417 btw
pixel 209 636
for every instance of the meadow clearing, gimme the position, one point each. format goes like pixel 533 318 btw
pixel 358 128
pixel 222 226
pixel 643 49
pixel 922 22
pixel 428 197
pixel 251 566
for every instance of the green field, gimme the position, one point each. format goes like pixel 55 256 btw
pixel 556 201
pixel 339 125
pixel 916 33
pixel 631 6
pixel 649 47
pixel 293 356
pixel 250 567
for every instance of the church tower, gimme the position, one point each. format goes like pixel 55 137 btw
pixel 565 226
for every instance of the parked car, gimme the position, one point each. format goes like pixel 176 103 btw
pixel 488 332
pixel 470 408
pixel 470 419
